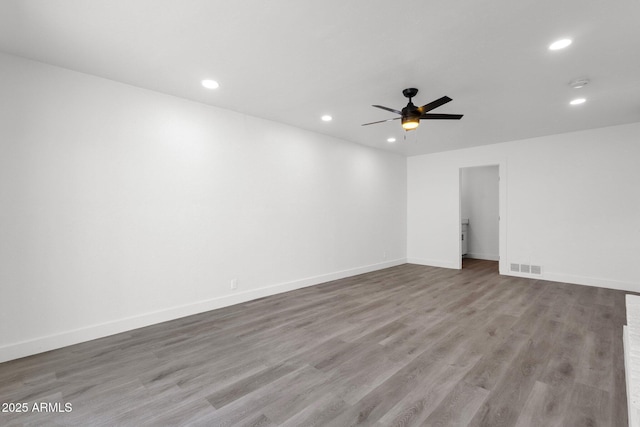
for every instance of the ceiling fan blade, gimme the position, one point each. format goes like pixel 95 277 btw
pixel 381 121
pixel 388 109
pixel 441 117
pixel 434 104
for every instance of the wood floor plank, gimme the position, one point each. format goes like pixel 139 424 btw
pixel 321 413
pixel 420 401
pixel 458 407
pixel 494 364
pixel 507 399
pixel 378 402
pixel 249 384
pixel 407 345
pixel 254 402
pixel 535 410
pixel 549 397
pixel 590 406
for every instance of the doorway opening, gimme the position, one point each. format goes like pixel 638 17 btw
pixel 480 216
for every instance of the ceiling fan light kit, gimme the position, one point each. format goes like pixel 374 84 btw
pixel 411 115
pixel 410 123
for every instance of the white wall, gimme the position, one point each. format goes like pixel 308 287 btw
pixel 479 203
pixel 121 207
pixel 571 205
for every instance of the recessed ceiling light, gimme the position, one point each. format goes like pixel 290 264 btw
pixel 326 118
pixel 560 44
pixel 578 101
pixel 210 84
pixel 391 139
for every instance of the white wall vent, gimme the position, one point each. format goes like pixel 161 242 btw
pixel 525 268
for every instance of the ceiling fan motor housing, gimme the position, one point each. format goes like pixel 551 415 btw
pixel 411 111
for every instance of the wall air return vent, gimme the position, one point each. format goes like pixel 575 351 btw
pixel 525 268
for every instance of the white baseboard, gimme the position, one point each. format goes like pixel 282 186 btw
pixel 433 263
pixel 88 333
pixel 593 281
pixel 578 280
pixel 546 275
pixel 488 257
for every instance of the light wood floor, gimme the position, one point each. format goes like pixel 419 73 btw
pixel 409 345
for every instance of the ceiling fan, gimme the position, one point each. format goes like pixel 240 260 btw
pixel 411 115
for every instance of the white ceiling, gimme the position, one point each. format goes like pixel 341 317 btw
pixel 292 61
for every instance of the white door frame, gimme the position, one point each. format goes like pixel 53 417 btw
pixel 502 210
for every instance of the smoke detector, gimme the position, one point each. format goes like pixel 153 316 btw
pixel 578 83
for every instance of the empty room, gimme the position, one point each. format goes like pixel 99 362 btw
pixel 334 213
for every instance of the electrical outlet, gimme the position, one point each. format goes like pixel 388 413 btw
pixel 234 284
